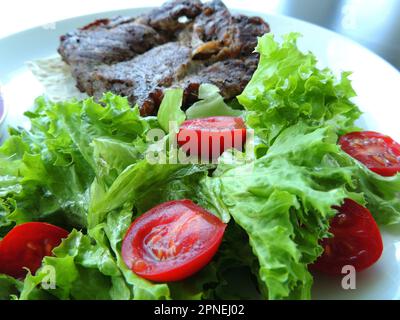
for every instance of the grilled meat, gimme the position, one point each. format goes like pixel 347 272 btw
pixel 181 44
pixel 105 42
pixel 140 77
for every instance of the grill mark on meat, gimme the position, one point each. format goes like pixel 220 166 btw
pixel 140 57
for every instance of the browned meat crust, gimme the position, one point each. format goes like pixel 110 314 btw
pixel 105 42
pixel 183 43
pixel 139 77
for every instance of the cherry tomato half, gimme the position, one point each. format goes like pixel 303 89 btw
pixel 357 241
pixel 26 245
pixel 210 137
pixel 172 241
pixel 380 153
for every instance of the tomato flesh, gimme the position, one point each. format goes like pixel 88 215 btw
pixel 26 245
pixel 380 153
pixel 210 137
pixel 357 241
pixel 172 241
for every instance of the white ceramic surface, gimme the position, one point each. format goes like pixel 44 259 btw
pixel 376 82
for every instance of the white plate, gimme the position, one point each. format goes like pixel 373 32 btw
pixel 376 82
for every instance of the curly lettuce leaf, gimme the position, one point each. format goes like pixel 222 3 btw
pixel 382 194
pixel 284 202
pixel 80 270
pixel 39 161
pixel 383 197
pixel 47 171
pixel 83 165
pixel 288 87
pixel 86 121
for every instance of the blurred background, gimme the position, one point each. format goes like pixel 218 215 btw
pixel 373 23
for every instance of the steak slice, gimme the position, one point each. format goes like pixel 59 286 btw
pixel 105 42
pixel 140 78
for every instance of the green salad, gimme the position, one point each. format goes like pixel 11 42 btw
pixel 83 166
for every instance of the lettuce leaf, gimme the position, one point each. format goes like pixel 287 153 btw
pixel 288 87
pixel 382 194
pixel 129 186
pixel 210 104
pixel 170 109
pixel 83 165
pixel 38 163
pixel 47 171
pixel 81 270
pixel 113 231
pixel 9 287
pixel 284 202
pixel 87 121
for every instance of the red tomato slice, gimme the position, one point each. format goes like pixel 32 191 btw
pixel 357 241
pixel 210 137
pixel 172 241
pixel 26 245
pixel 378 152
